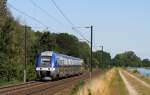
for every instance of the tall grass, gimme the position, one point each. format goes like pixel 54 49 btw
pixel 98 86
pixel 77 87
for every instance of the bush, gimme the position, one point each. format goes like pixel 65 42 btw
pixel 135 71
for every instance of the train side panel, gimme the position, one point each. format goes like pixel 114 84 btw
pixel 69 65
pixel 52 65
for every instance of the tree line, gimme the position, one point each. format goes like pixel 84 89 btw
pixel 12 49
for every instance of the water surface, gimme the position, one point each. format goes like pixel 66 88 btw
pixel 143 71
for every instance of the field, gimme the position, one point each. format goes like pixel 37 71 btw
pixel 116 81
pixel 109 83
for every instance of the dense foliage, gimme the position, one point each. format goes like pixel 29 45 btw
pixel 101 59
pixel 129 58
pixel 146 63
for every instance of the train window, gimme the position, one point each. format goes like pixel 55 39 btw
pixel 58 61
pixel 45 57
pixel 45 61
pixel 63 62
pixel 68 62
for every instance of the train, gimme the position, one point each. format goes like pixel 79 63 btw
pixel 51 65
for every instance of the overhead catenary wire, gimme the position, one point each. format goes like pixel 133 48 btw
pixel 68 20
pixel 62 13
pixel 41 23
pixel 45 12
pixel 27 15
pixel 79 32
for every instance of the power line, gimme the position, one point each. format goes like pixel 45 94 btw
pixel 21 12
pixel 62 13
pixel 68 20
pixel 27 15
pixel 45 12
pixel 79 32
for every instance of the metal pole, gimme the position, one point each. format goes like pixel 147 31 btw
pixel 102 58
pixel 91 52
pixel 91 55
pixel 25 53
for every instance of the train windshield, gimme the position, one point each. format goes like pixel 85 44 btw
pixel 45 61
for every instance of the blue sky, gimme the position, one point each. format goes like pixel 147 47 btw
pixel 119 25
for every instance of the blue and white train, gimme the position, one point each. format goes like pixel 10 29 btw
pixel 51 65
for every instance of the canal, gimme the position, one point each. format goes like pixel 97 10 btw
pixel 143 71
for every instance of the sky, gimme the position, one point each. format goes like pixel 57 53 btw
pixel 119 25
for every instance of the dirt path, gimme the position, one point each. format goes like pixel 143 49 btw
pixel 130 89
pixel 139 80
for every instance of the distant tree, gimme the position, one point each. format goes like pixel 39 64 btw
pixel 95 63
pixel 4 12
pixel 3 7
pixel 47 42
pixel 103 58
pixel 127 59
pixel 84 51
pixel 7 49
pixel 146 63
pixel 68 44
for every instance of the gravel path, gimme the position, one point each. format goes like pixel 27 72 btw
pixel 130 89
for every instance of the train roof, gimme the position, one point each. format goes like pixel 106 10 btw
pixel 49 53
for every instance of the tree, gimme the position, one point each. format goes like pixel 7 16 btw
pixel 146 63
pixel 103 58
pixel 84 51
pixel 4 13
pixel 127 59
pixel 68 44
pixel 47 42
pixel 3 7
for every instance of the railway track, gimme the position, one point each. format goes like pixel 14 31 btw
pixel 7 89
pixel 43 88
pixel 58 86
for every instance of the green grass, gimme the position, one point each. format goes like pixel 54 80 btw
pixel 77 87
pixel 140 88
pixel 6 83
pixel 142 77
pixel 135 71
pixel 117 86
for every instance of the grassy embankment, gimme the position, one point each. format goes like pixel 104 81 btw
pixel 142 77
pixel 110 83
pixel 14 82
pixel 140 88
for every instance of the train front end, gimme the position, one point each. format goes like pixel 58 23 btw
pixel 46 67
